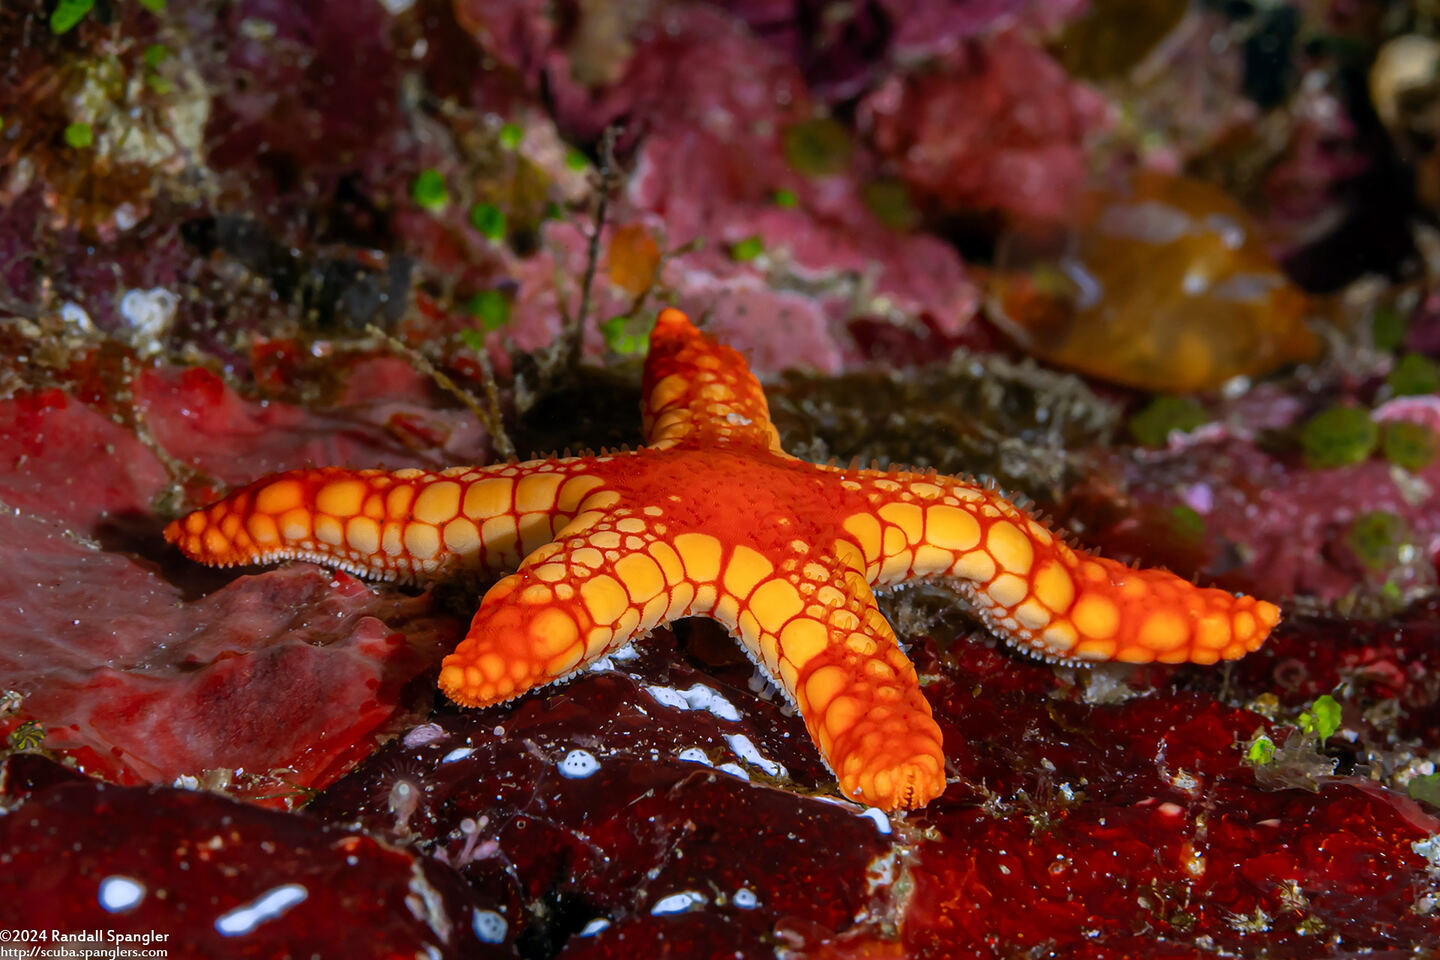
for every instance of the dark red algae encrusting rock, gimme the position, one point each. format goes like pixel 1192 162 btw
pixel 214 877
pixel 644 806
pixel 1118 815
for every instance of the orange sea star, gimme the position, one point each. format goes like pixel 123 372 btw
pixel 713 519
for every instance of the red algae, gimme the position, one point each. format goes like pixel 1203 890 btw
pixel 645 801
pixel 134 675
pixel 34 426
pixel 286 676
pixel 384 417
pixel 1138 826
pixel 188 873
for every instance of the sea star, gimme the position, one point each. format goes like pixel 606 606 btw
pixel 711 518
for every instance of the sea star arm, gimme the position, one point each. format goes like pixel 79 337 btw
pixel 814 627
pixel 1035 590
pixel 404 525
pixel 571 602
pixel 699 391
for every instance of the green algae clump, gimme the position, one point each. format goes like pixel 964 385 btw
pixel 491 308
pixel 747 249
pixel 817 148
pixel 1414 375
pixel 1408 444
pixel 1151 426
pixel 1323 717
pixel 1339 437
pixel 627 335
pixel 489 220
pixel 430 191
pixel 1376 538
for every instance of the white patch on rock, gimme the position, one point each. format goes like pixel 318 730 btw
pixel 579 764
pixel 681 902
pixel 489 926
pixel 119 893
pixel 150 313
pixel 882 822
pixel 694 755
pixel 747 751
pixel 698 697
pixel 594 927
pixel 270 905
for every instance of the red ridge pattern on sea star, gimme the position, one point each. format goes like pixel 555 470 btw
pixel 712 518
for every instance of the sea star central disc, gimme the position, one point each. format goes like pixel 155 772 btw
pixel 713 519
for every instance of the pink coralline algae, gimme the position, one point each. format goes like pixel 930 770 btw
pixel 842 55
pixel 706 105
pixel 1262 517
pixel 307 85
pixel 997 126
